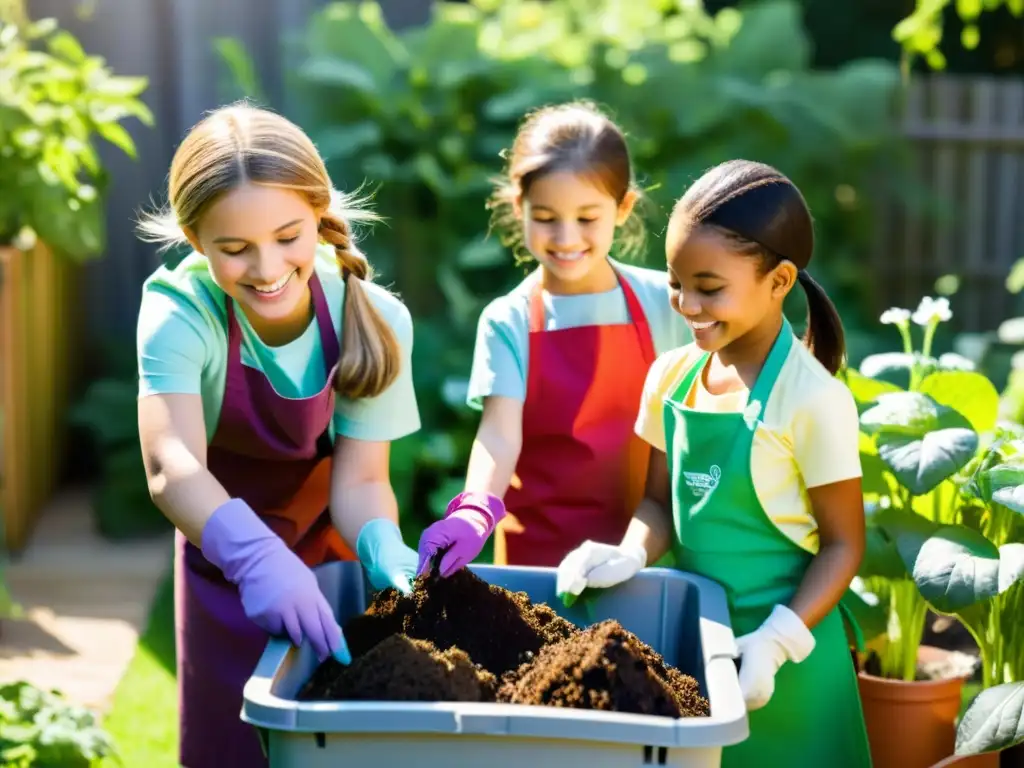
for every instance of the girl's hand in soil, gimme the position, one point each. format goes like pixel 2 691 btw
pixel 385 556
pixel 593 564
pixel 783 637
pixel 279 592
pixel 468 521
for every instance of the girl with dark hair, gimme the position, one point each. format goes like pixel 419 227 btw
pixel 755 480
pixel 560 361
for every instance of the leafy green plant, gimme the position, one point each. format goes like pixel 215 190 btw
pixel 55 99
pixel 994 721
pixel 945 494
pixel 40 729
pixel 920 33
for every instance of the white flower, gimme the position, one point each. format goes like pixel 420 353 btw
pixel 932 310
pixel 895 316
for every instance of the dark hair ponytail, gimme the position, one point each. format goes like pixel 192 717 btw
pixel 825 336
pixel 764 215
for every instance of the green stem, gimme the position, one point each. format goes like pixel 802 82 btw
pixel 908 344
pixel 929 336
pixel 907 613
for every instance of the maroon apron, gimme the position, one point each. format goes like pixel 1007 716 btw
pixel 581 470
pixel 274 452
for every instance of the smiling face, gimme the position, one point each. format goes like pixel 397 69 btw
pixel 261 243
pixel 722 292
pixel 569 227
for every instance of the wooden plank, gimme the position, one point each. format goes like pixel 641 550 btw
pixel 1007 200
pixel 34 358
pixel 947 96
pixel 14 473
pixel 975 233
pixel 910 250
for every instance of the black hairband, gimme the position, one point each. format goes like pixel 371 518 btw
pixel 753 215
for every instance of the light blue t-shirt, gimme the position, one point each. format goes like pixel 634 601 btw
pixel 183 345
pixel 501 355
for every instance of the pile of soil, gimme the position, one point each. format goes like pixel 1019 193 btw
pixel 402 669
pixel 498 629
pixel 607 668
pixel 462 639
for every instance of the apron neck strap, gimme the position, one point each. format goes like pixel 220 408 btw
pixel 633 307
pixel 329 340
pixel 765 379
pixel 770 371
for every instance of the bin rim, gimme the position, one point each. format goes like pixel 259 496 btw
pixel 727 724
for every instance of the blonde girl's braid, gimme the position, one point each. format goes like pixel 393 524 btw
pixel 369 361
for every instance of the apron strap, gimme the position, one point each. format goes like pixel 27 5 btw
pixel 234 335
pixel 636 313
pixel 633 308
pixel 765 379
pixel 329 340
pixel 770 372
pixel 537 307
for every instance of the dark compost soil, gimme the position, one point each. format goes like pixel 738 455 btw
pixel 461 639
pixel 607 668
pixel 402 669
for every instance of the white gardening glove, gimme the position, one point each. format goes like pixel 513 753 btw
pixel 783 637
pixel 593 564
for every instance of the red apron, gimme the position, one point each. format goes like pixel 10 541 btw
pixel 582 469
pixel 273 452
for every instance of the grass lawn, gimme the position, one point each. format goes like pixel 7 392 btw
pixel 144 718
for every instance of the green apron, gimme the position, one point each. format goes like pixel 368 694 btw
pixel 814 718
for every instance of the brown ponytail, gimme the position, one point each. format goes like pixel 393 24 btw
pixel 824 337
pixel 369 348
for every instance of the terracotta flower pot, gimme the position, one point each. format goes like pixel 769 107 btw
pixel 912 725
pixel 988 760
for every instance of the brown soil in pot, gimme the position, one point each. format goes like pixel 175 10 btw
pixel 461 639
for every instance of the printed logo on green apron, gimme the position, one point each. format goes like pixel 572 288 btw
pixel 700 483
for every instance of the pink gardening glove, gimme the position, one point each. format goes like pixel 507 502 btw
pixel 468 521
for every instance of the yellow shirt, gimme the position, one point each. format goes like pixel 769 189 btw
pixel 808 435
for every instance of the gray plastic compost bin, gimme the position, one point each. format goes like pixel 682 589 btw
pixel 683 617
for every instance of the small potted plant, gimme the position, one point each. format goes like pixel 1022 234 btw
pixel 944 510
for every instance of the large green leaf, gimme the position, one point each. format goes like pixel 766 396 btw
pixel 921 464
pixel 921 441
pixel 971 394
pixel 873 469
pixel 865 389
pixel 891 367
pixel 994 720
pixel 881 556
pixel 1002 484
pixel 907 413
pixel 956 567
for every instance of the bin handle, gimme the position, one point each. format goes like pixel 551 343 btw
pixel 257 691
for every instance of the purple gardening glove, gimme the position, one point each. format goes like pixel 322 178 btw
pixel 468 521
pixel 279 592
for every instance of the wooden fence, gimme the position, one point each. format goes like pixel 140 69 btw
pixel 38 335
pixel 967 138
